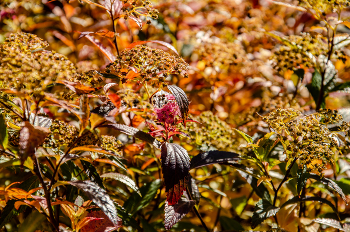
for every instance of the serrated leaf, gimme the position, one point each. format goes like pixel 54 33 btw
pixel 333 223
pixel 100 197
pixel 213 157
pixel 91 172
pixel 4 137
pixel 174 213
pixel 263 210
pixel 341 41
pixel 124 179
pixel 181 100
pixel 193 188
pixel 175 169
pixel 330 183
pixel 136 133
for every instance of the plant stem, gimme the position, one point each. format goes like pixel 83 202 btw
pixel 284 180
pixel 47 194
pixel 196 211
pixel 322 90
pixel 114 30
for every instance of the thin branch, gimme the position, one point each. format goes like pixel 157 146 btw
pixel 114 30
pixel 284 180
pixel 197 213
pixel 47 194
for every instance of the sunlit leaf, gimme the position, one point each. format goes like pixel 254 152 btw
pixel 333 223
pixel 100 197
pixel 174 213
pixel 124 179
pixel 104 50
pixel 91 148
pixel 181 100
pixel 4 137
pixel 330 183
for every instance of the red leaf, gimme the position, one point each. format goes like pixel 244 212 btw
pixel 104 50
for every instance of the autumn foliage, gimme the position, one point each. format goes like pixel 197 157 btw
pixel 138 115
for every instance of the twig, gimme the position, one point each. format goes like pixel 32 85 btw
pixel 196 212
pixel 284 180
pixel 321 94
pixel 47 194
pixel 114 30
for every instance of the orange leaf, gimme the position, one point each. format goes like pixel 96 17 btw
pixel 147 163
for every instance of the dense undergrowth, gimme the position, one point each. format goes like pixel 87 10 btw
pixel 174 115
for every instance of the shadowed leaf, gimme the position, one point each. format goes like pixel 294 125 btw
pixel 213 157
pixel 263 210
pixel 175 168
pixel 4 138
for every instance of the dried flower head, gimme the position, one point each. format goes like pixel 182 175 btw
pixel 110 143
pixel 306 137
pixel 323 7
pixel 137 8
pixel 143 63
pixel 62 134
pixel 211 132
pixel 26 67
pixel 299 53
pixel 91 77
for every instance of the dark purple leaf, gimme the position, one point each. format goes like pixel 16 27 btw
pixel 213 157
pixel 181 99
pixel 100 197
pixel 136 133
pixel 193 188
pixel 174 213
pixel 104 109
pixel 175 168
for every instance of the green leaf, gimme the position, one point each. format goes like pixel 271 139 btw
pixel 92 173
pixel 239 203
pixel 344 184
pixel 230 224
pixel 124 179
pixel 260 190
pixel 146 226
pixel 263 210
pixel 127 219
pixel 245 136
pixel 148 192
pixel 31 222
pixel 340 86
pixel 303 175
pixel 315 86
pixel 4 137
